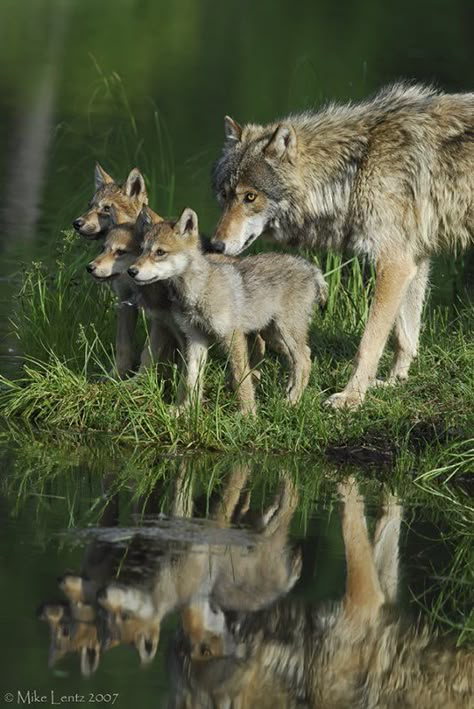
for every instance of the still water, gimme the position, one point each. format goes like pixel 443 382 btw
pixel 142 581
pixel 202 582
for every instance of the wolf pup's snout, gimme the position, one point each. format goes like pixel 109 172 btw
pixel 217 247
pixel 132 271
pixel 78 223
pixel 90 268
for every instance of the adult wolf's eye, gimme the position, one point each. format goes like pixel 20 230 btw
pixel 120 252
pixel 250 197
pixel 160 252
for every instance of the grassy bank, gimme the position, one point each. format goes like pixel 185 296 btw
pixel 64 324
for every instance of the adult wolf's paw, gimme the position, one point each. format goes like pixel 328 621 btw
pixel 345 400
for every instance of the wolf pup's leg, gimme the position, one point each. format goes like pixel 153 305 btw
pixel 256 346
pixel 160 346
pixel 407 324
pixel 292 344
pixel 190 389
pixel 124 350
pixel 237 347
pixel 393 279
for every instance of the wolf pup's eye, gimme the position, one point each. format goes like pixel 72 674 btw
pixel 223 194
pixel 250 197
pixel 120 252
pixel 160 252
pixel 106 208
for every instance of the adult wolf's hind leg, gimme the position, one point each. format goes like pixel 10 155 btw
pixel 387 548
pixel 408 322
pixel 393 279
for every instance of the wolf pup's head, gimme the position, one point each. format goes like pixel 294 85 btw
pixel 126 201
pixel 249 180
pixel 168 247
pixel 131 620
pixel 121 248
pixel 73 629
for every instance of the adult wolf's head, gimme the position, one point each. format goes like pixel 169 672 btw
pixel 251 180
pixel 126 200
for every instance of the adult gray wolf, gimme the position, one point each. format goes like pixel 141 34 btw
pixel 391 178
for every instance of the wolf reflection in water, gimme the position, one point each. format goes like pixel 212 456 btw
pixel 244 640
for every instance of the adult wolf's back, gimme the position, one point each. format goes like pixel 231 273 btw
pixel 391 178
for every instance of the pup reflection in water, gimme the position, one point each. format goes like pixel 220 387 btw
pixel 131 581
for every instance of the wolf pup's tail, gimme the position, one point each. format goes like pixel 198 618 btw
pixel 321 286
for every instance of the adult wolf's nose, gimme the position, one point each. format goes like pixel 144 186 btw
pixel 218 247
pixel 132 271
pixel 91 267
pixel 78 223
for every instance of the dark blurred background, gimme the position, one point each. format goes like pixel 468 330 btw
pixel 148 82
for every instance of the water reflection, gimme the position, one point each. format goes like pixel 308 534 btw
pixel 132 578
pixel 245 637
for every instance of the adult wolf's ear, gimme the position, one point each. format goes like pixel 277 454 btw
pixel 282 144
pixel 188 222
pixel 101 177
pixel 135 186
pixel 233 132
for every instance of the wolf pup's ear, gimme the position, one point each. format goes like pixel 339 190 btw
pixel 101 177
pixel 147 645
pixel 188 222
pixel 233 132
pixel 144 222
pixel 135 186
pixel 90 657
pixel 282 143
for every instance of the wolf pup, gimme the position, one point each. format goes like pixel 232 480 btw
pixel 126 200
pixel 121 248
pixel 390 178
pixel 273 293
pixel 113 204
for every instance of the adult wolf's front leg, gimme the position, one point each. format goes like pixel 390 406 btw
pixel 124 347
pixel 393 279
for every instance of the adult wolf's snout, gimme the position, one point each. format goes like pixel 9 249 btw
pixel 78 223
pixel 132 271
pixel 90 268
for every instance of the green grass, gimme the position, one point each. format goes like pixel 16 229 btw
pixel 64 323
